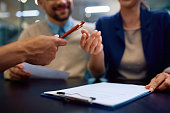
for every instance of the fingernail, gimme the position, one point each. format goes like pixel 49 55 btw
pixel 151 89
pixel 57 35
pixel 98 34
pixel 147 85
pixel 84 34
pixel 58 38
pixel 96 30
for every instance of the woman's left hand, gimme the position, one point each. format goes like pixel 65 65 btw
pixel 160 82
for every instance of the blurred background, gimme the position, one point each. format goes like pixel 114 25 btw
pixel 13 21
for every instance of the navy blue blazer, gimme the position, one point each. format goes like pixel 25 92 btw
pixel 155 31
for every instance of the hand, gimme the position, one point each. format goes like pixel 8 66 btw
pixel 41 50
pixel 17 73
pixel 160 82
pixel 91 43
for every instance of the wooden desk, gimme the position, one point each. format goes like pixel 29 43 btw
pixel 25 98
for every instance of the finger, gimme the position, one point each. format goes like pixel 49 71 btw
pixel 57 36
pixel 52 51
pixel 14 77
pixel 157 81
pixel 19 72
pixel 99 33
pixel 17 78
pixel 22 72
pixel 83 40
pixel 59 41
pixel 99 47
pixel 93 46
pixel 151 82
pixel 95 42
pixel 99 38
pixel 11 71
pixel 90 40
pixel 165 85
pixel 20 66
pixel 148 86
pixel 86 32
pixel 92 37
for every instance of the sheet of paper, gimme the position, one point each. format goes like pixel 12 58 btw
pixel 44 72
pixel 107 94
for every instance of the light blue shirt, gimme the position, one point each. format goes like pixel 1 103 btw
pixel 60 30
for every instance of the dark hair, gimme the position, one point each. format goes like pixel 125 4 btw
pixel 143 4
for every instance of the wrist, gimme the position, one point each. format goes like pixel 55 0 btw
pixel 96 55
pixel 22 49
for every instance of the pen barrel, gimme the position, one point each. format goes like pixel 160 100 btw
pixel 69 32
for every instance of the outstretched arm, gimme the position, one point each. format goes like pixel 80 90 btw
pixel 38 50
pixel 92 44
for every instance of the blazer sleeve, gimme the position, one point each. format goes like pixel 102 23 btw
pixel 167 40
pixel 100 25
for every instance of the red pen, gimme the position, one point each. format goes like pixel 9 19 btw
pixel 78 26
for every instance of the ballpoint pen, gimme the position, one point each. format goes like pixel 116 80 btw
pixel 78 26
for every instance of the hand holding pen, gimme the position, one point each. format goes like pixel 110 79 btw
pixel 90 43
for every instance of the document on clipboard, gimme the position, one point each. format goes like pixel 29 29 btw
pixel 105 95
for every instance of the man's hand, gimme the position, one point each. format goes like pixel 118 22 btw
pixel 160 82
pixel 41 50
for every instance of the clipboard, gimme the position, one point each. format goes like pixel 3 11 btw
pixel 107 96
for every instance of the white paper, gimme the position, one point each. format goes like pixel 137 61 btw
pixel 44 72
pixel 107 94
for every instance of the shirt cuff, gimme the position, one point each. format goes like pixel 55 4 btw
pixel 167 70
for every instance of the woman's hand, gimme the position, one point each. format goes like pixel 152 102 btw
pixel 160 82
pixel 91 43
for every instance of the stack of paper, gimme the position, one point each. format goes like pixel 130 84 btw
pixel 106 94
pixel 44 72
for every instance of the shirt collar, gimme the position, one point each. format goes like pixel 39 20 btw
pixel 55 28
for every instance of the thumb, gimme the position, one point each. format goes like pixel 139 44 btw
pixel 59 41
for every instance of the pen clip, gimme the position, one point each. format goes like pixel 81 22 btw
pixel 80 25
pixel 67 97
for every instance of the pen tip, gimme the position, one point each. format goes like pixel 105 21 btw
pixel 82 22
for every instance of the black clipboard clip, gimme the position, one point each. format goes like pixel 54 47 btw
pixel 68 97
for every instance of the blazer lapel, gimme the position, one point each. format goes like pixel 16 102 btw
pixel 119 27
pixel 146 30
